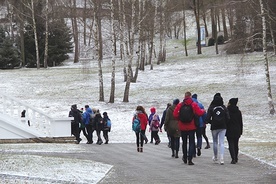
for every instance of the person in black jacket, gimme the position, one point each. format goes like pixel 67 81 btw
pixel 234 129
pixel 76 122
pixel 99 126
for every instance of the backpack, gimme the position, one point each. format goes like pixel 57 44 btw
pixel 136 125
pixel 155 121
pixel 108 123
pixel 186 113
pixel 218 115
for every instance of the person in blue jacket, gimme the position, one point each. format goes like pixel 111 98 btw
pixel 201 126
pixel 87 118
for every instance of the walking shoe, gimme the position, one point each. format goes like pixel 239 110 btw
pixel 141 149
pixel 233 162
pixel 173 154
pixel 207 147
pixel 190 163
pixel 184 160
pixel 215 159
pixel 176 154
pixel 221 162
pixel 138 149
pixel 198 152
pixel 146 141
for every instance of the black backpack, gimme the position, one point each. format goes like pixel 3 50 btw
pixel 186 113
pixel 218 115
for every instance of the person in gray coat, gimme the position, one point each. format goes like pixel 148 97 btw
pixel 171 127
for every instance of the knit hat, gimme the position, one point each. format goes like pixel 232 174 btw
pixel 233 101
pixel 176 101
pixel 105 113
pixel 74 106
pixel 218 100
pixel 152 110
pixel 194 96
pixel 217 94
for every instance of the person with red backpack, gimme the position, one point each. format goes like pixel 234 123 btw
pixel 155 126
pixel 185 113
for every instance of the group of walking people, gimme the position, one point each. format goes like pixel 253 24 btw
pixel 224 121
pixel 87 121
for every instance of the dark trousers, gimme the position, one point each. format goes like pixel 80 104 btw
pixel 75 131
pixel 105 135
pixel 140 137
pixel 185 136
pixel 175 141
pixel 99 136
pixel 155 135
pixel 205 136
pixel 83 130
pixel 233 143
pixel 89 133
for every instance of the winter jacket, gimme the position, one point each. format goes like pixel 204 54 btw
pixel 143 119
pixel 98 121
pixel 202 118
pixel 86 116
pixel 105 119
pixel 235 124
pixel 197 111
pixel 218 101
pixel 150 118
pixel 152 128
pixel 171 123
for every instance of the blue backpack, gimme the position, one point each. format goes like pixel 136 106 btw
pixel 108 123
pixel 136 125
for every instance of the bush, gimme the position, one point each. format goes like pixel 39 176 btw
pixel 220 39
pixel 211 42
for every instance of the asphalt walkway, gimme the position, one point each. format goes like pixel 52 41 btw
pixel 155 165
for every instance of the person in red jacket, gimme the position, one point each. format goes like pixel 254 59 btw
pixel 188 129
pixel 140 136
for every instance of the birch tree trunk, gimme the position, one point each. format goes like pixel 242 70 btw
pixel 152 36
pixel 112 90
pixel 46 35
pixel 35 35
pixel 98 43
pixel 269 94
pixel 75 32
pixel 130 55
pixel 184 28
pixel 196 12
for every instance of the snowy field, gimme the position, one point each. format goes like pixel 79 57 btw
pixel 54 90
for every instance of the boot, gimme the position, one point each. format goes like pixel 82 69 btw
pixel 173 153
pixel 176 154
pixel 141 149
pixel 138 149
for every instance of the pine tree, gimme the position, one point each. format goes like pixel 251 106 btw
pixel 9 55
pixel 59 43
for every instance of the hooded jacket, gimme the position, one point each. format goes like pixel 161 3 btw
pixel 171 123
pixel 235 124
pixel 197 111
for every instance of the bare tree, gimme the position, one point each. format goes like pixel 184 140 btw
pixel 184 27
pixel 112 90
pixel 35 34
pixel 196 8
pixel 46 34
pixel 269 94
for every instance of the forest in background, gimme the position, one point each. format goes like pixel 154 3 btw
pixel 37 34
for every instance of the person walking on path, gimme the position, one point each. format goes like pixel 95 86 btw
pixel 201 125
pixel 234 129
pixel 142 117
pixel 217 116
pixel 187 128
pixel 163 121
pixel 86 116
pixel 155 127
pixel 107 127
pixel 152 112
pixel 171 127
pixel 74 112
pixel 99 126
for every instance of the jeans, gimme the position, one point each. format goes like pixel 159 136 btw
pixel 185 135
pixel 218 140
pixel 199 137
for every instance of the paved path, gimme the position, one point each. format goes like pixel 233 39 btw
pixel 155 165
